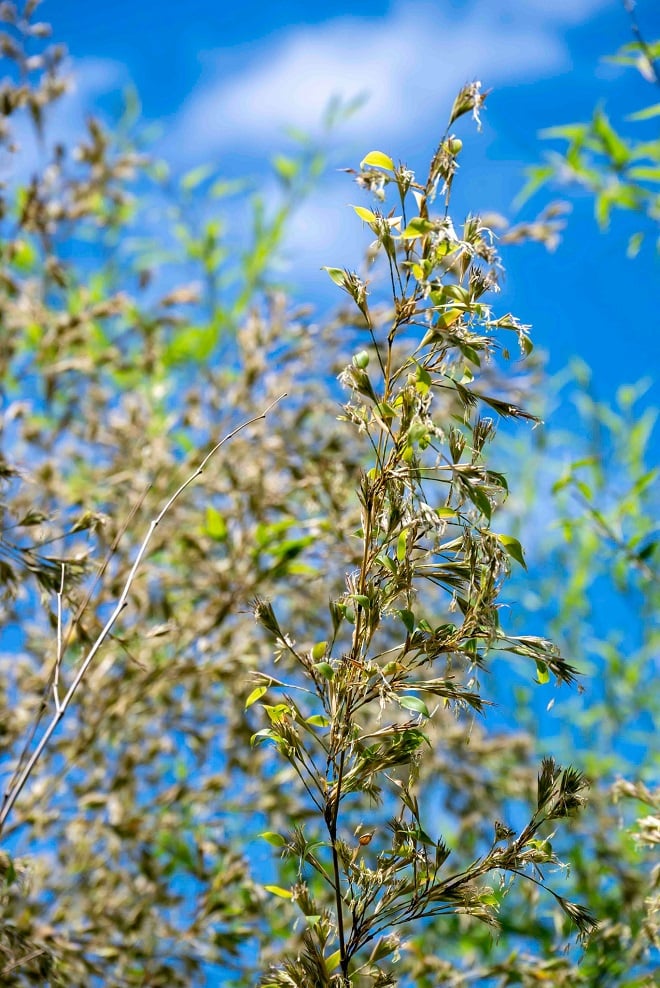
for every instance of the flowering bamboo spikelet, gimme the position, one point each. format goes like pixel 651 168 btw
pixel 419 616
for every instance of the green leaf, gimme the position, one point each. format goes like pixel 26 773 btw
pixel 536 177
pixel 332 961
pixel 325 669
pixel 417 227
pixel 480 500
pixel 255 695
pixel 223 188
pixel 645 114
pixel 24 256
pixel 337 274
pixel 277 890
pixel 365 214
pixel 215 524
pixel 192 344
pixel 319 650
pixel 410 702
pixel 265 734
pixel 318 720
pixel 448 319
pixel 613 145
pixel 277 840
pixel 645 173
pixel 424 381
pixel 513 547
pixel 192 179
pixel 408 619
pixel 401 545
pixel 584 489
pixel 385 410
pixel 377 159
pixel 568 132
pixel 286 168
pixel 542 672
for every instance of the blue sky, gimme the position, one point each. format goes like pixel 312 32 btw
pixel 225 81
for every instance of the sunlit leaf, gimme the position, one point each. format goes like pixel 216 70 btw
pixel 277 840
pixel 255 695
pixel 278 891
pixel 365 214
pixel 514 548
pixel 318 720
pixel 377 159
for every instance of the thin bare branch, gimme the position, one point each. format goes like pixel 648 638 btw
pixel 13 793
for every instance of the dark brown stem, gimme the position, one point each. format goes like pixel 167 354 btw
pixel 331 820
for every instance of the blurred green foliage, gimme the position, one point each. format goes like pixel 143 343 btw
pixel 144 318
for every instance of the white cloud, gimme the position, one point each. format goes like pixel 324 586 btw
pixel 410 62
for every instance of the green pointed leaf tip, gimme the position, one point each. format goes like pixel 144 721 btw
pixel 365 214
pixel 542 673
pixel 318 720
pixel 613 145
pixel 332 961
pixel 255 695
pixel 409 702
pixel 277 840
pixel 408 619
pixel 325 670
pixel 417 227
pixel 280 892
pixel 338 275
pixel 377 159
pixel 424 380
pixel 480 500
pixel 385 410
pixel 644 173
pixel 514 548
pixel 645 114
pixel 194 178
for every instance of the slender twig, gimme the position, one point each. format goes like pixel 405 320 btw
pixel 332 827
pixel 618 543
pixel 13 793
pixel 19 962
pixel 82 607
pixel 58 657
pixel 639 38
